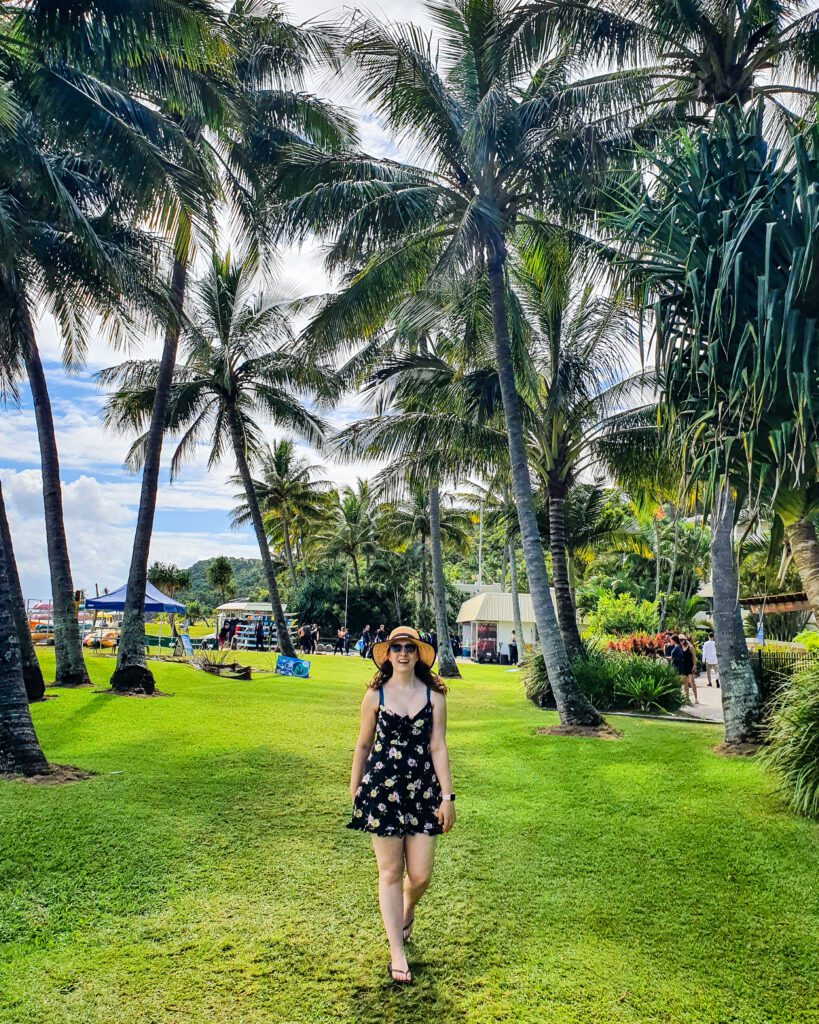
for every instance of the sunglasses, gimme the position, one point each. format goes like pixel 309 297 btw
pixel 402 648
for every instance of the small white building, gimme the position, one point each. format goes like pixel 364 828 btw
pixel 485 622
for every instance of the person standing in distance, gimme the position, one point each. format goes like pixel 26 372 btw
pixel 709 656
pixel 400 783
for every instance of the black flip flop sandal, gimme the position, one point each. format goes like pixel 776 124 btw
pixel 407 929
pixel 392 971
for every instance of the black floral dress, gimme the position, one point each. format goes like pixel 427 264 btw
pixel 399 791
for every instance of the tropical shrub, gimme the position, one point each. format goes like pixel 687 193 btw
pixel 610 680
pixel 792 754
pixel 623 614
pixel 809 638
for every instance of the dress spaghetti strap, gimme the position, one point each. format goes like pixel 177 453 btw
pixel 428 695
pixel 381 695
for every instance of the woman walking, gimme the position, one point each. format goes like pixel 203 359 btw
pixel 400 785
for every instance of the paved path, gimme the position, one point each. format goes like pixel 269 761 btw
pixel 709 708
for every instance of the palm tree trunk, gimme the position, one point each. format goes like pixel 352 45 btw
pixel 32 673
pixel 20 753
pixel 573 707
pixel 504 557
pixel 285 643
pixel 657 563
pixel 804 546
pixel 566 615
pixel 516 620
pixel 447 666
pixel 355 572
pixel 740 693
pixel 70 670
pixel 673 571
pixel 288 552
pixel 132 673
pixel 424 585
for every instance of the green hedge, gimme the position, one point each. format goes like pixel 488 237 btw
pixel 627 682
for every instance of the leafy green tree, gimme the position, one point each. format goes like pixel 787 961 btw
pixel 220 576
pixel 502 125
pixel 238 367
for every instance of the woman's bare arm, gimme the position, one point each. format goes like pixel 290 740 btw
pixel 364 743
pixel 440 759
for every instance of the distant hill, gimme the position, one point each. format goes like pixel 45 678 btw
pixel 248 580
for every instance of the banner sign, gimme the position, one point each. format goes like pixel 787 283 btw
pixel 292 667
pixel 187 646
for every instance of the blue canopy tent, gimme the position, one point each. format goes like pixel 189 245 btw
pixel 155 601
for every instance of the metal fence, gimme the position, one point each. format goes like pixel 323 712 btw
pixel 774 667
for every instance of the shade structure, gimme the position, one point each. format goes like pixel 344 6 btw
pixel 155 601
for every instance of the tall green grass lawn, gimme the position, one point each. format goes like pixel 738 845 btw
pixel 204 873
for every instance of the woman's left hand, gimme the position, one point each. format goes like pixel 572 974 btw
pixel 446 815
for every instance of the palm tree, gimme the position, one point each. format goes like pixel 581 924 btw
pixel 421 514
pixel 169 579
pixel 577 354
pixel 695 55
pixel 237 367
pixel 502 126
pixel 288 494
pixel 86 149
pixel 266 107
pixel 220 576
pixel 32 673
pixel 20 751
pixel 350 532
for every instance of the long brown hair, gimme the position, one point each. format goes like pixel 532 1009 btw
pixel 424 673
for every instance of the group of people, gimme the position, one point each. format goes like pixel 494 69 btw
pixel 308 637
pixel 262 633
pixel 369 637
pixel 680 653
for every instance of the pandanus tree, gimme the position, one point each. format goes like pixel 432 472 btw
pixel 504 130
pixel 238 368
pixel 290 494
pixel 257 104
pixel 724 240
pixel 79 155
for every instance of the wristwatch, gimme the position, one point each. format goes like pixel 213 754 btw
pixel 447 796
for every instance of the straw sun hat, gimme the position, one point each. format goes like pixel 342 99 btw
pixel 426 652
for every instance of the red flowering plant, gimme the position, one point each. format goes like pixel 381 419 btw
pixel 648 644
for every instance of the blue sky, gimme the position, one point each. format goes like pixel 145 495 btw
pixel 100 497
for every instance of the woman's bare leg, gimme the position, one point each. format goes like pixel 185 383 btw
pixel 419 853
pixel 691 680
pixel 389 854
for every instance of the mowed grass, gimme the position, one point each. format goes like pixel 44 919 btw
pixel 204 873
